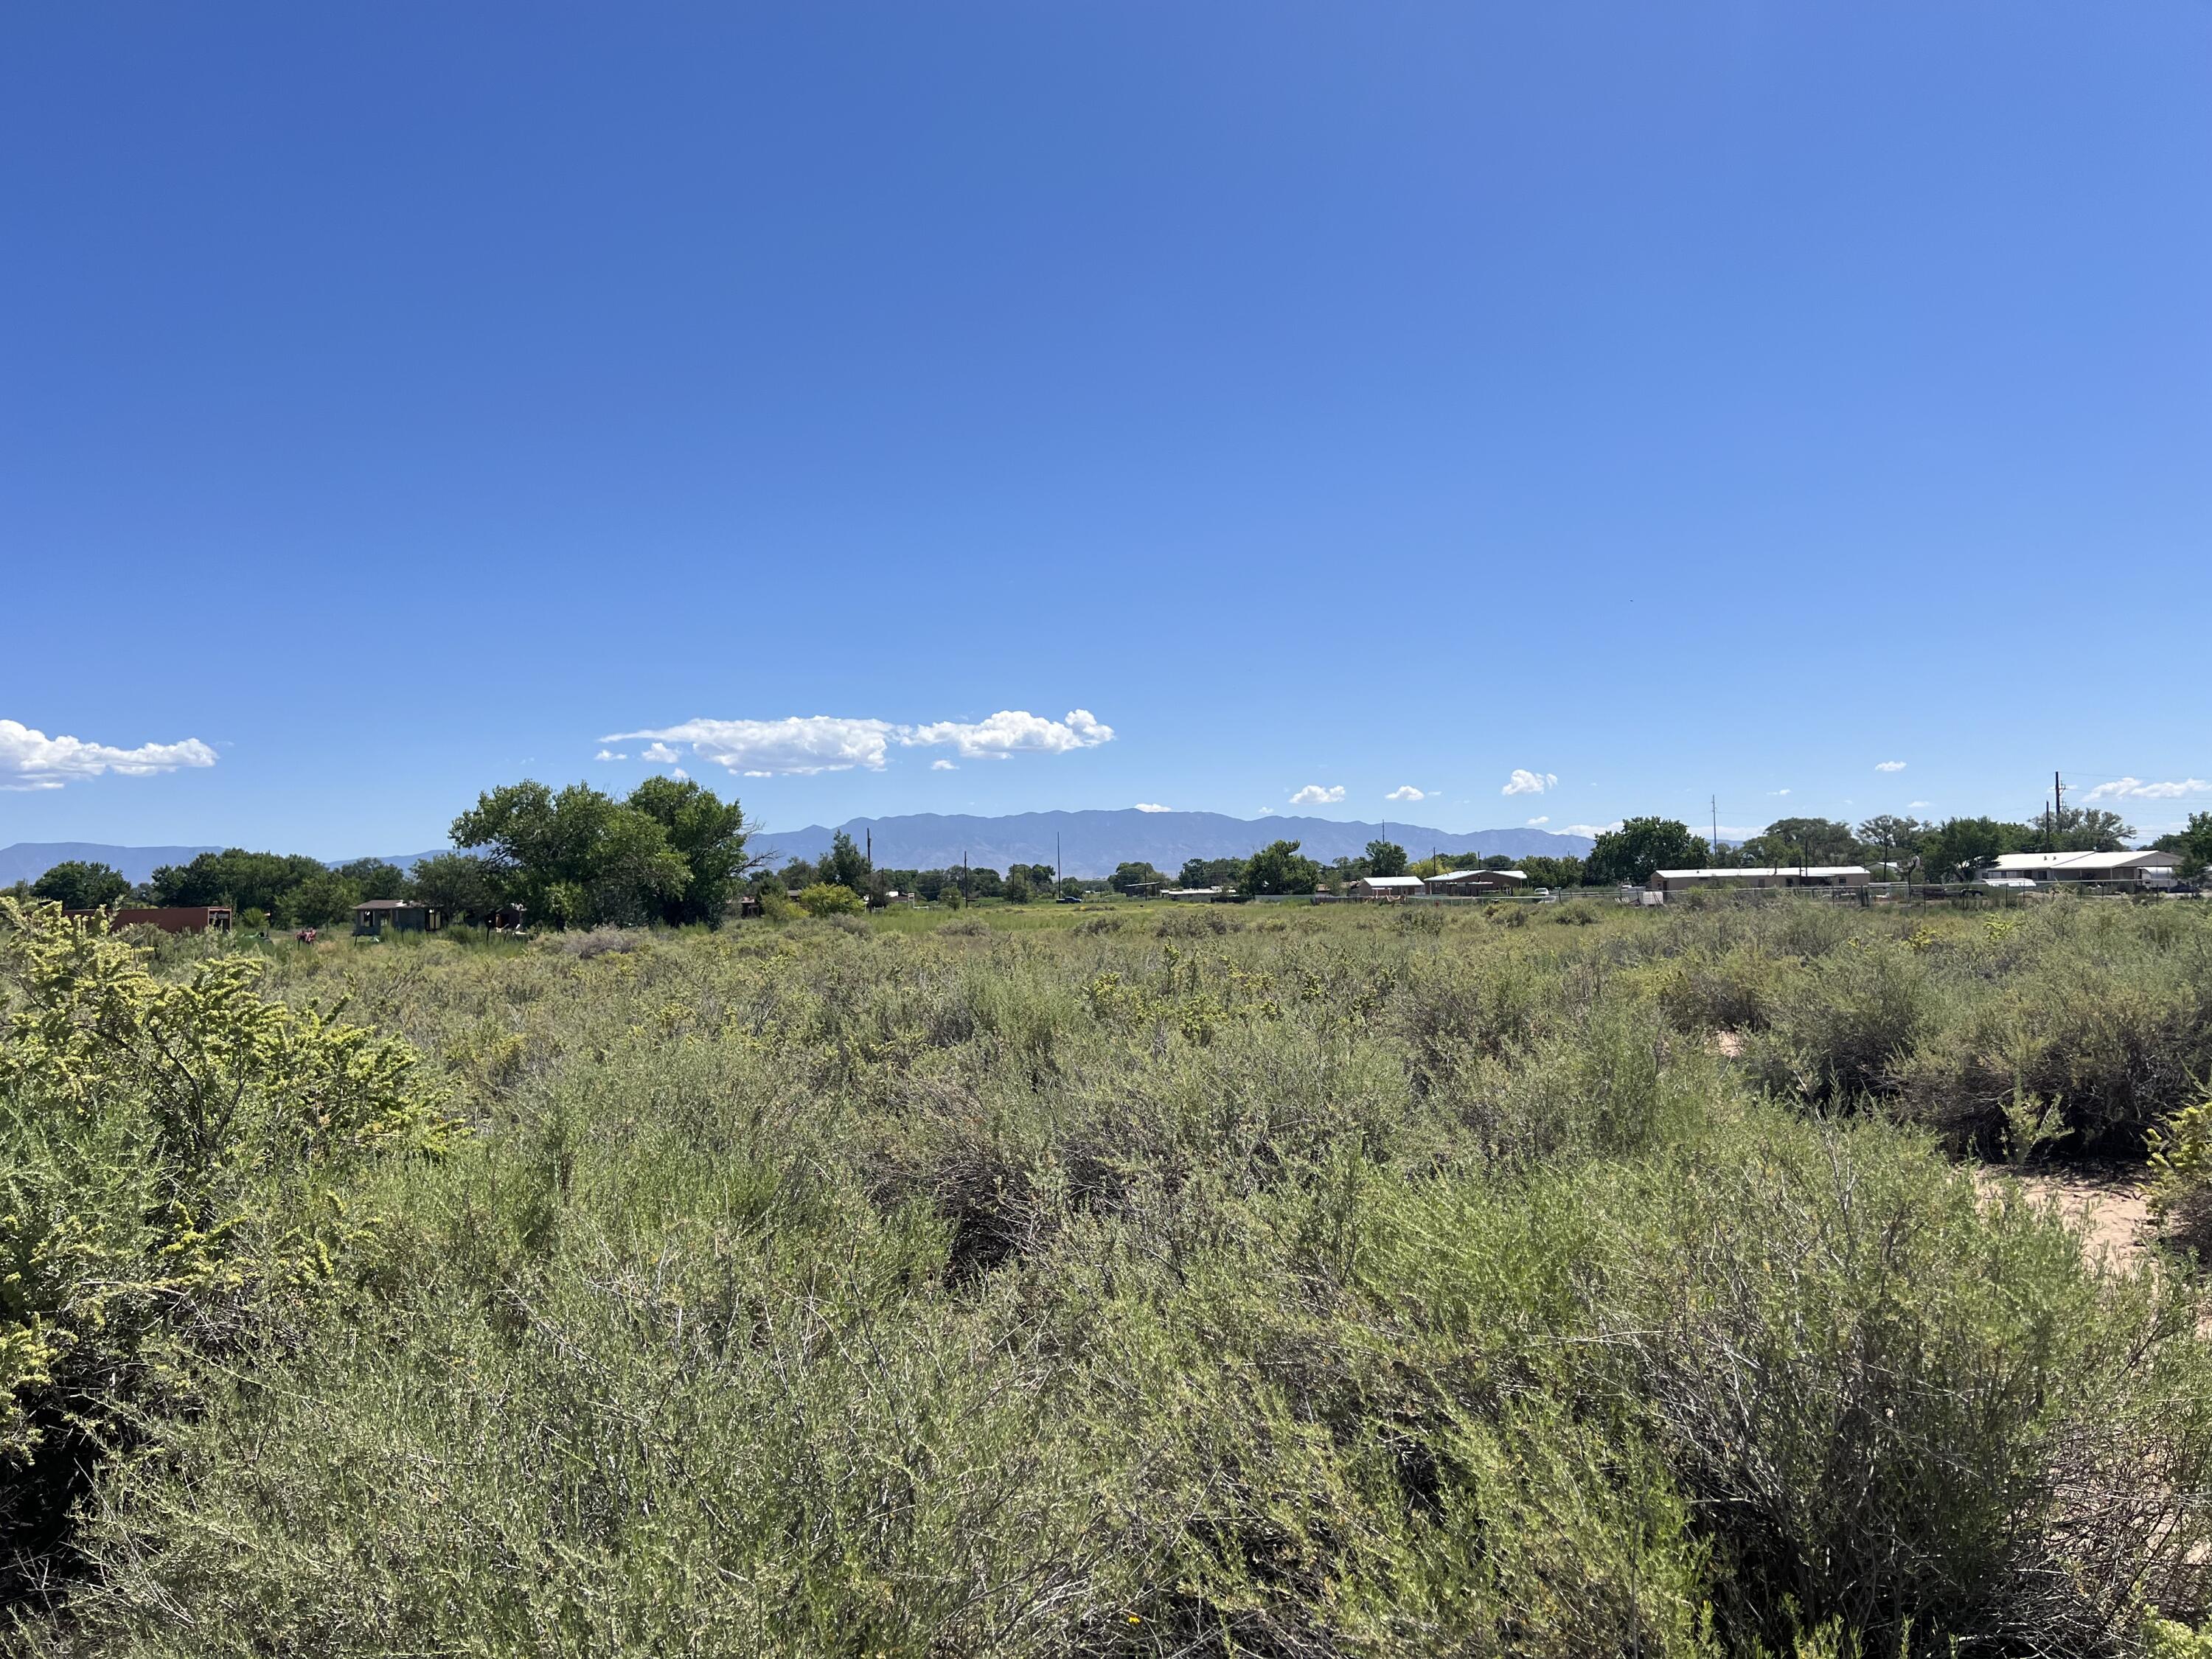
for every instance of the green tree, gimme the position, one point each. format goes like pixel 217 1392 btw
pixel 466 887
pixel 1552 873
pixel 1803 841
pixel 1959 846
pixel 1385 857
pixel 2193 843
pixel 2090 830
pixel 576 859
pixel 77 885
pixel 1278 867
pixel 708 834
pixel 1895 840
pixel 373 878
pixel 326 899
pixel 1017 889
pixel 1640 846
pixel 247 881
pixel 1211 873
pixel 1072 888
pixel 1128 876
pixel 845 865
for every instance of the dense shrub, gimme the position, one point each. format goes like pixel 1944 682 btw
pixel 828 899
pixel 1846 1025
pixel 174 1161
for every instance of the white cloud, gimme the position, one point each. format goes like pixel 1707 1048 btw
pixel 1011 732
pixel 1524 782
pixel 1153 806
pixel 803 745
pixel 30 759
pixel 1918 806
pixel 609 754
pixel 1778 792
pixel 1889 766
pixel 1314 795
pixel 943 766
pixel 1534 823
pixel 1593 830
pixel 2136 789
pixel 1407 792
pixel 679 774
pixel 659 754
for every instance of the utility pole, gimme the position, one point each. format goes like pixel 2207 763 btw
pixel 967 895
pixel 1713 801
pixel 871 835
pixel 2058 808
pixel 1056 876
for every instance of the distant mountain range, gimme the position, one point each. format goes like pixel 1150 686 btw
pixel 27 861
pixel 1091 843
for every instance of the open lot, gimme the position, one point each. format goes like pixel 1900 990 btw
pixel 1149 1279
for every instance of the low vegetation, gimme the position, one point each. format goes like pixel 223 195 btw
pixel 1272 1280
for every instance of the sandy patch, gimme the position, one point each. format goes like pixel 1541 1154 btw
pixel 2107 1204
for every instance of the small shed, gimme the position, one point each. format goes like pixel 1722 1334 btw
pixel 1387 888
pixel 376 916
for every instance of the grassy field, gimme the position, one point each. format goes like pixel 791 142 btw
pixel 1282 1281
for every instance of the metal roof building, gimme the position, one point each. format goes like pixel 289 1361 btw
pixel 1387 887
pixel 1766 875
pixel 1453 883
pixel 2144 866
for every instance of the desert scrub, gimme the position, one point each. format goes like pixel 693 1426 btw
pixel 1328 1287
pixel 176 1157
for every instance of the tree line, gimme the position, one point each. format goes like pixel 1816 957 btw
pixel 1912 849
pixel 673 852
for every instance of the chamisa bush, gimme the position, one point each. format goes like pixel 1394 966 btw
pixel 175 1160
pixel 1330 1287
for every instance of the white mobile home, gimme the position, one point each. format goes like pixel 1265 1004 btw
pixel 1768 875
pixel 2147 868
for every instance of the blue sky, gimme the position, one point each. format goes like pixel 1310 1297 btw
pixel 1654 402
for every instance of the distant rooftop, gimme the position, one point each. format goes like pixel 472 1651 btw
pixel 2145 859
pixel 1741 871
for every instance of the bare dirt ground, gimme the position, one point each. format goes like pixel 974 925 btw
pixel 2105 1202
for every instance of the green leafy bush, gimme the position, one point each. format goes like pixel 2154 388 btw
pixel 827 899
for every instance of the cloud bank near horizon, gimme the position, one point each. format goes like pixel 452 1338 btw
pixel 802 745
